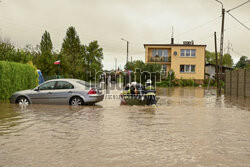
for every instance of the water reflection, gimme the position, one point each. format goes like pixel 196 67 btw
pixel 189 127
pixel 8 118
pixel 241 102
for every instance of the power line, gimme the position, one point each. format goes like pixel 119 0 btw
pixel 235 26
pixel 238 6
pixel 191 29
pixel 198 26
pixel 238 21
pixel 238 53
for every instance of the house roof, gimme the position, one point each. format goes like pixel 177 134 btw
pixel 210 64
pixel 248 62
pixel 172 45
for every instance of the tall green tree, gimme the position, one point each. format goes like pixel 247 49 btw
pixel 71 54
pixel 242 63
pixel 46 58
pixel 46 45
pixel 93 57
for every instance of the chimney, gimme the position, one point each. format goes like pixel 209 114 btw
pixel 172 36
pixel 172 40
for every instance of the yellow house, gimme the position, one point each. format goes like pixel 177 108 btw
pixel 187 60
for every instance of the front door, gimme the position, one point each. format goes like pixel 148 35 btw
pixel 44 94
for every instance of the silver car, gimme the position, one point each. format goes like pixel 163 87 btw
pixel 60 91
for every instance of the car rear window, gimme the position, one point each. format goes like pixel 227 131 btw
pixel 63 85
pixel 87 84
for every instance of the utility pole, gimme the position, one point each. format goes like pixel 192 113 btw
pixel 127 48
pixel 221 44
pixel 131 59
pixel 216 58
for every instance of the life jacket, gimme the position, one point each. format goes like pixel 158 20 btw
pixel 150 87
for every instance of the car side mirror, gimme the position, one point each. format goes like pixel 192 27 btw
pixel 37 89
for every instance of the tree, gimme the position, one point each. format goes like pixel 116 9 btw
pixel 227 60
pixel 71 54
pixel 9 53
pixel 138 64
pixel 46 45
pixel 211 58
pixel 145 70
pixel 242 63
pixel 46 58
pixel 93 57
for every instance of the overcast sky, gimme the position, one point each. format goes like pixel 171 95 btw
pixel 138 21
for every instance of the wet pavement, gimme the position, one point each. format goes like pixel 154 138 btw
pixel 189 127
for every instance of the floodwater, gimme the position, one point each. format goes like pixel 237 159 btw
pixel 189 127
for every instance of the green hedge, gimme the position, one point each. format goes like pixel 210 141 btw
pixel 15 77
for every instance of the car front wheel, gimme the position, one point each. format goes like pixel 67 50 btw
pixel 76 101
pixel 23 101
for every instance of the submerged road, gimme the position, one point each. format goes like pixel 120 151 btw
pixel 189 127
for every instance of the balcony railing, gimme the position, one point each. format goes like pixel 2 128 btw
pixel 160 59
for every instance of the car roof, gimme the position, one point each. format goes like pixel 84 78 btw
pixel 64 79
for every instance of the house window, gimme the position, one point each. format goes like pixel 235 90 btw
pixel 193 52
pixel 182 68
pixel 165 55
pixel 161 53
pixel 192 68
pixel 182 52
pixel 187 68
pixel 188 52
pixel 154 52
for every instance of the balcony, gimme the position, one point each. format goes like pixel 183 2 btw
pixel 159 59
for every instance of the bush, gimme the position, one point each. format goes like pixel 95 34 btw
pixel 15 77
pixel 211 84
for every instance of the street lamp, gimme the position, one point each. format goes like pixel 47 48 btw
pixel 220 3
pixel 127 48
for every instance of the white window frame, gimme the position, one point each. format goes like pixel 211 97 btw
pixel 184 52
pixel 188 68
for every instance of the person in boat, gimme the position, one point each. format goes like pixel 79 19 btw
pixel 151 99
pixel 149 86
pixel 127 88
pixel 133 89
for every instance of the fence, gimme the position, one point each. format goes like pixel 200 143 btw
pixel 238 83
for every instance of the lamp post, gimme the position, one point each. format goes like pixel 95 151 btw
pixel 88 61
pixel 221 43
pixel 127 48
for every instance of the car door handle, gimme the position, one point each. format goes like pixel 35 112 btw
pixel 49 93
pixel 70 92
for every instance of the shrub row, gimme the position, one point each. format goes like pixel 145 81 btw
pixel 177 82
pixel 15 77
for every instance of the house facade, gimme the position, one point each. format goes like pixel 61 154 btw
pixel 186 60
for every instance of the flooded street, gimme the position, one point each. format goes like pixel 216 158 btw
pixel 189 127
